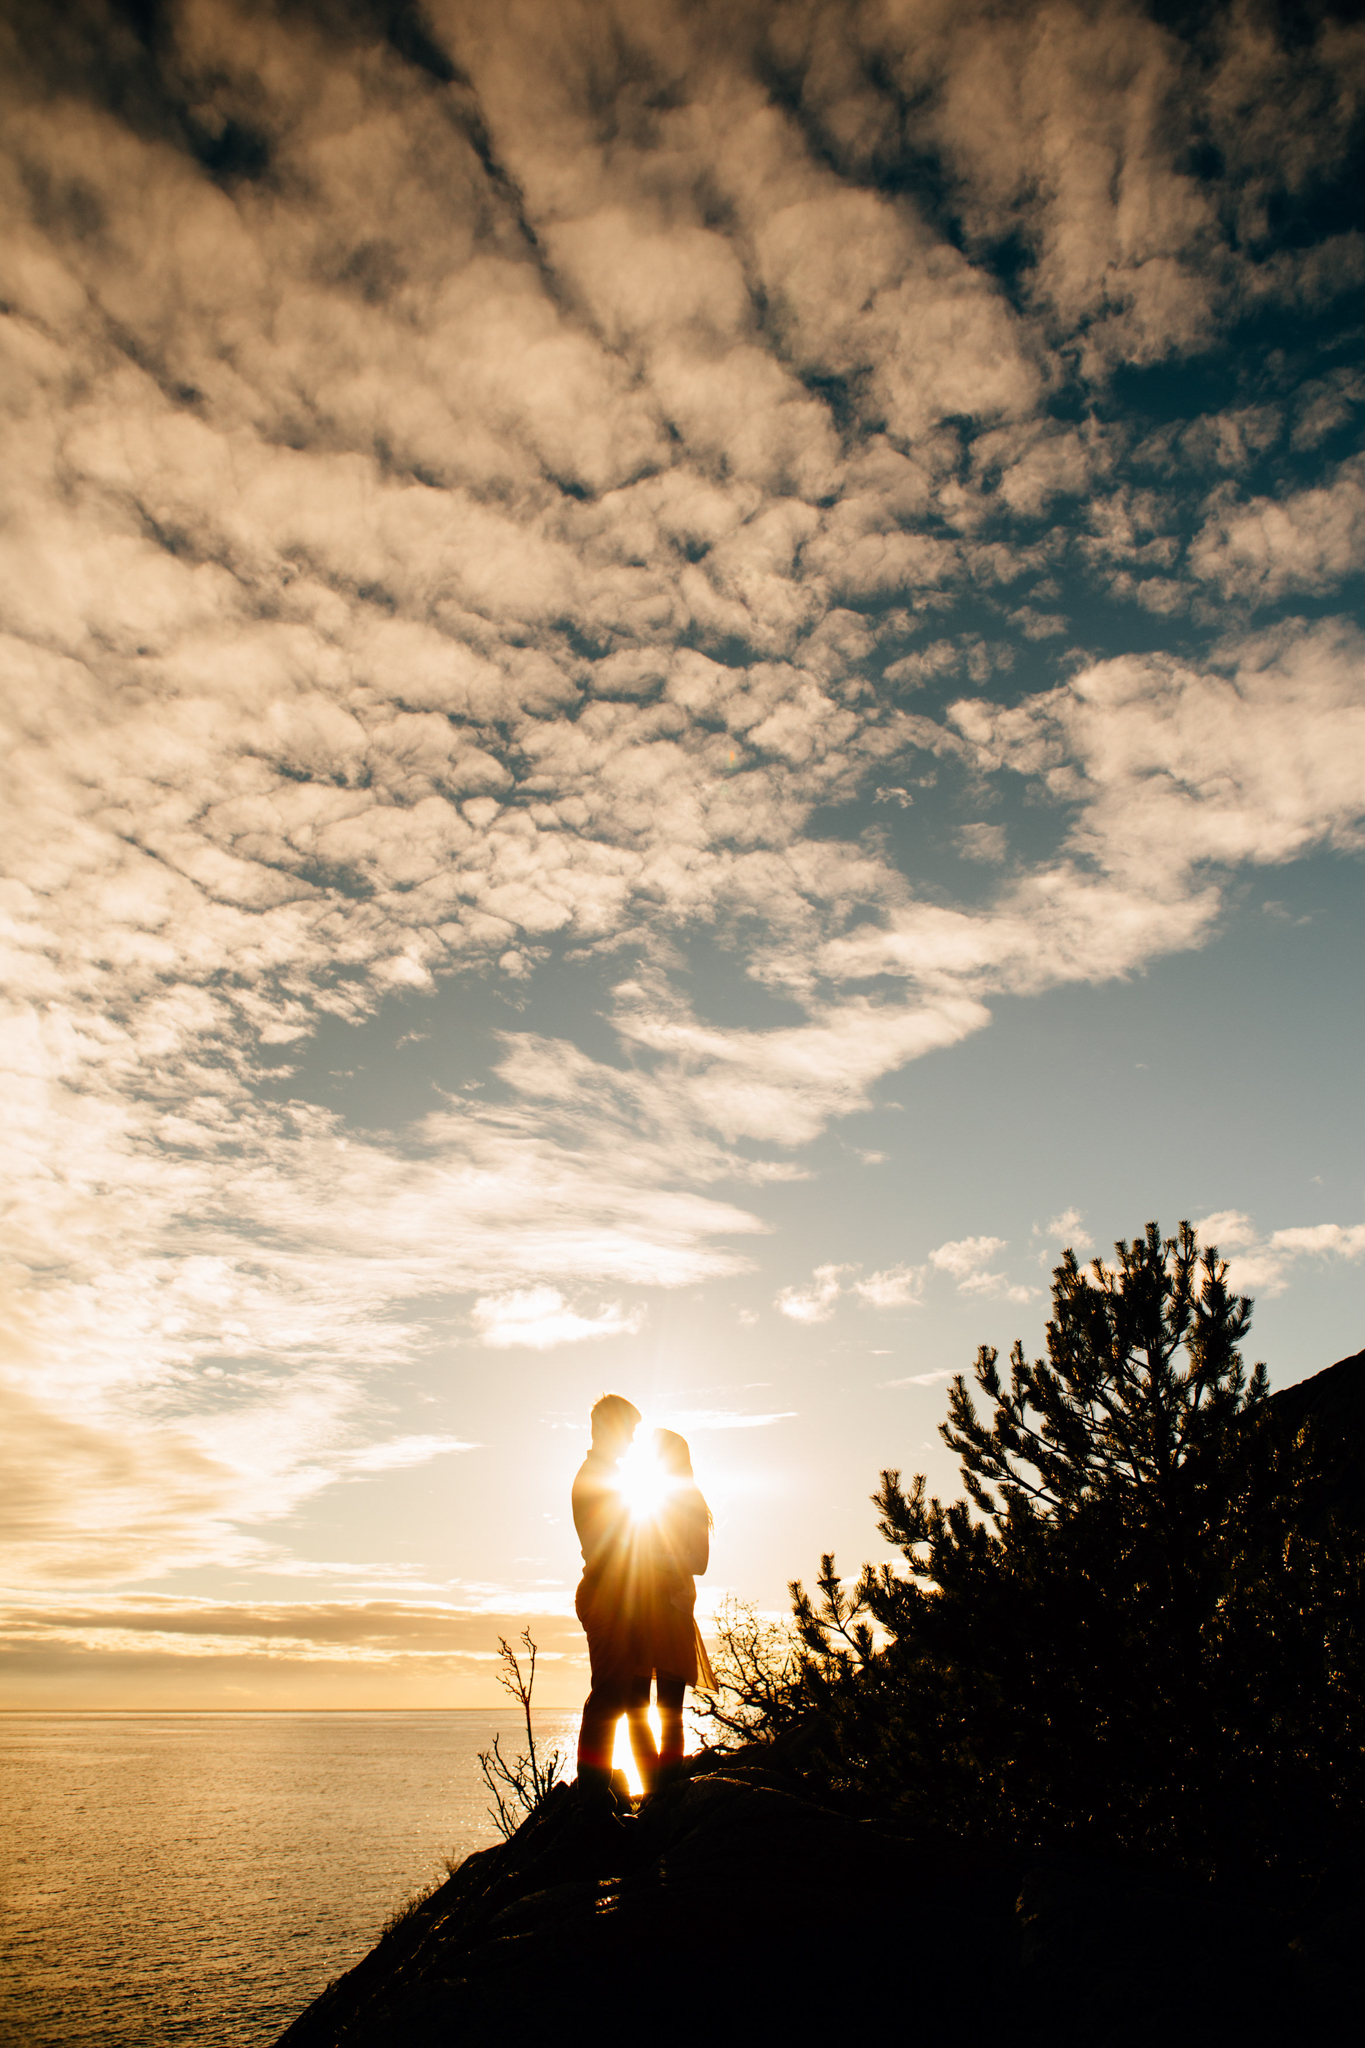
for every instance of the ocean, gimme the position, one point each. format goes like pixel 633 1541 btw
pixel 178 1878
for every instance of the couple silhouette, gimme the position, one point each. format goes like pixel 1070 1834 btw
pixel 646 1534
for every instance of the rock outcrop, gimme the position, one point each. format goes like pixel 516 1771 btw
pixel 670 1924
pixel 733 1907
pixel 1333 1402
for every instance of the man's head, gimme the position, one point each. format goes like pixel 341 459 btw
pixel 614 1423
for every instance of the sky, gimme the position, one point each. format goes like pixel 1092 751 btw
pixel 682 686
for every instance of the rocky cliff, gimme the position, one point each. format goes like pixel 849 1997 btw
pixel 733 1908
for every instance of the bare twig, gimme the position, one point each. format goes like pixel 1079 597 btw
pixel 756 1664
pixel 519 1784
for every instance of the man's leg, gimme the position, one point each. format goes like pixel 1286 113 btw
pixel 602 1709
pixel 671 1691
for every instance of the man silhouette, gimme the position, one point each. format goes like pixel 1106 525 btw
pixel 609 1602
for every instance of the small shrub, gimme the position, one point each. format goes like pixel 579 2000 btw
pixel 519 1784
pixel 410 1905
pixel 756 1664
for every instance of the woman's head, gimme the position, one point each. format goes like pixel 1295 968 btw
pixel 672 1453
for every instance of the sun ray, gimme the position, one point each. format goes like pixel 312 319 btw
pixel 643 1482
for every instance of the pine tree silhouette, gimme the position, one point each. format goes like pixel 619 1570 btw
pixel 1125 1635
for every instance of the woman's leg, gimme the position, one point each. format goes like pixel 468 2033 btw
pixel 671 1691
pixel 641 1734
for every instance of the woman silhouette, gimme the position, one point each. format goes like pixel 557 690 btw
pixel 678 1549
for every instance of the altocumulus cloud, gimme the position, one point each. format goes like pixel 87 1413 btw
pixel 541 1318
pixel 1264 1260
pixel 446 522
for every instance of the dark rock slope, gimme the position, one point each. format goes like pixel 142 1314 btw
pixel 1333 1403
pixel 732 1908
pixel 683 1921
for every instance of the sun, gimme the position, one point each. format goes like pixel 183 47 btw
pixel 643 1482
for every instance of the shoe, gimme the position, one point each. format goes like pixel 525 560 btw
pixel 669 1774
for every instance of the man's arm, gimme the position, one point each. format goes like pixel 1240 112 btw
pixel 596 1513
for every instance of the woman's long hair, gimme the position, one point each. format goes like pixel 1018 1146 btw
pixel 675 1458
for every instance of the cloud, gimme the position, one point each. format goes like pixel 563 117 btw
pixel 785 1085
pixel 996 1286
pixel 154 1650
pixel 202 1627
pixel 816 1303
pixel 692 1421
pixel 539 1318
pixel 982 842
pixel 961 1256
pixel 401 1452
pixel 94 1498
pixel 1263 1262
pixel 896 1287
pixel 1173 776
pixel 197 1349
pixel 1227 1229
pixel 1068 1228
pixel 920 1379
pixel 1036 625
pixel 1309 540
pixel 464 533
pixel 966 1259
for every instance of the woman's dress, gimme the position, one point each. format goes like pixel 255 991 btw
pixel 678 1548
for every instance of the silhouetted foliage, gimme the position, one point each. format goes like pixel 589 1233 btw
pixel 519 1784
pixel 1130 1634
pixel 757 1670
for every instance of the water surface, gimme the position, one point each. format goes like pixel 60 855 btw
pixel 169 1878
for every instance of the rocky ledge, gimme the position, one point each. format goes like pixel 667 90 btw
pixel 733 1906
